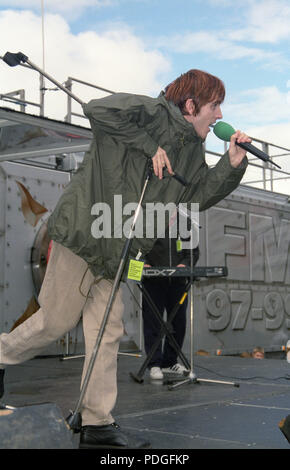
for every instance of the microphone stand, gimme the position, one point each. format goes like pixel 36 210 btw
pixel 74 419
pixel 12 60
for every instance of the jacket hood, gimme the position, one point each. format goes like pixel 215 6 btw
pixel 189 130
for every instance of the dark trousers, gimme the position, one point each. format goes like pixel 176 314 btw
pixel 165 293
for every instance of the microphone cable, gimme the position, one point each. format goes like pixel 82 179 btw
pixel 285 377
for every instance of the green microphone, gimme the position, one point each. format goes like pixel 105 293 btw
pixel 225 131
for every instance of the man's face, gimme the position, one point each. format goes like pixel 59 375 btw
pixel 207 115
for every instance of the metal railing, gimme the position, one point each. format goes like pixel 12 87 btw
pixel 262 174
pixel 21 101
pixel 268 178
pixel 68 84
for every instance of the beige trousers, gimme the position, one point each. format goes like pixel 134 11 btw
pixel 69 290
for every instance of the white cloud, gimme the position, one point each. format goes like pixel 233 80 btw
pixel 217 44
pixel 262 113
pixel 262 105
pixel 115 59
pixel 55 5
pixel 277 134
pixel 256 22
pixel 70 9
pixel 266 21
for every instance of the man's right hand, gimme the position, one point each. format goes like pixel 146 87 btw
pixel 236 153
pixel 161 160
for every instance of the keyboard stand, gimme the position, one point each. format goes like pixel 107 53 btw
pixel 166 329
pixel 192 378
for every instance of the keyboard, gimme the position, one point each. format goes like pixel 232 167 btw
pixel 200 271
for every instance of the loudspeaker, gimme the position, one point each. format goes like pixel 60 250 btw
pixel 34 427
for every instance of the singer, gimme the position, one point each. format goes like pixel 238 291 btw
pixel 128 131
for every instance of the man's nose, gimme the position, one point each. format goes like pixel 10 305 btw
pixel 219 113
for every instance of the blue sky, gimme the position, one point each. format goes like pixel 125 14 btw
pixel 141 45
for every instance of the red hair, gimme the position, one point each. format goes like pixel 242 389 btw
pixel 197 85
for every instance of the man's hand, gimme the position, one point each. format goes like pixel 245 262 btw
pixel 236 153
pixel 160 160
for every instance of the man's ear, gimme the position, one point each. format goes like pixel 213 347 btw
pixel 189 107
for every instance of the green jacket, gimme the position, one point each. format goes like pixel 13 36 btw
pixel 127 128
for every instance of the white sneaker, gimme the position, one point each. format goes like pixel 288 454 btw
pixel 156 373
pixel 288 351
pixel 176 369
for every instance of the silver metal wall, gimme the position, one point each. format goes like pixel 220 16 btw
pixel 18 235
pixel 249 232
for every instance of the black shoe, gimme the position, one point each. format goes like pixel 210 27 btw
pixel 109 436
pixel 284 426
pixel 2 371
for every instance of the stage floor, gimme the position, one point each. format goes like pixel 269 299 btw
pixel 194 415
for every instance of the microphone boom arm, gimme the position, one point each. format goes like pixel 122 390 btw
pixel 13 59
pixel 16 59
